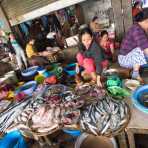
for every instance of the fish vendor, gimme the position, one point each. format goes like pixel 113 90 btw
pixel 91 56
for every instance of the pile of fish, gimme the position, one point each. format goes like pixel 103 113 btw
pixel 14 111
pixel 105 117
pixel 45 119
pixel 24 116
pixel 63 96
pixel 4 104
pixel 58 106
pixel 8 116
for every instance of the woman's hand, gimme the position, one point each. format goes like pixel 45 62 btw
pixel 99 81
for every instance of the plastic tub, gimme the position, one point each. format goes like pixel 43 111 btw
pixel 47 74
pixel 136 98
pixel 39 79
pixel 70 69
pixel 131 84
pixel 27 88
pixel 31 71
pixel 74 133
pixel 41 70
pixel 44 72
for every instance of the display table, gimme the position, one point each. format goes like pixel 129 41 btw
pixel 137 125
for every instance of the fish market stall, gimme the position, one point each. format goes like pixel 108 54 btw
pixel 49 101
pixel 61 108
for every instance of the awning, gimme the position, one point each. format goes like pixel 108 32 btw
pixel 19 11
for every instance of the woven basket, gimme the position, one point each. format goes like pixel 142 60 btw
pixel 116 132
pixel 33 134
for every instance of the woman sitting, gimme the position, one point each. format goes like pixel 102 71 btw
pixel 36 58
pixel 134 48
pixel 137 8
pixel 91 56
pixel 107 44
pixel 31 50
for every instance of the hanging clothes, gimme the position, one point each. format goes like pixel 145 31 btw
pixel 44 20
pixel 25 29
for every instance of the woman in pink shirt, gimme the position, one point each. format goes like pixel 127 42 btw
pixel 107 44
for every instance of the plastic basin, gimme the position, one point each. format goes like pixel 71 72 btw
pixel 137 98
pixel 74 133
pixel 70 69
pixel 41 70
pixel 31 71
pixel 27 88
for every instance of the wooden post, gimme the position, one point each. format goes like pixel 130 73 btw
pixel 118 17
pixel 122 16
pixel 79 14
pixel 127 14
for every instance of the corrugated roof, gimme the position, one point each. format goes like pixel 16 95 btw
pixel 15 8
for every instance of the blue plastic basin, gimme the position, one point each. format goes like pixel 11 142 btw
pixel 27 88
pixel 29 72
pixel 136 98
pixel 74 133
pixel 70 69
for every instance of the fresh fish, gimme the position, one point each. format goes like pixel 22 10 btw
pixel 82 124
pixel 122 113
pixel 97 115
pixel 92 129
pixel 115 111
pixel 105 115
pixel 106 127
pixel 24 119
pixel 57 115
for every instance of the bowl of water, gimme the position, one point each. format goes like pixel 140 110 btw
pixel 140 98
